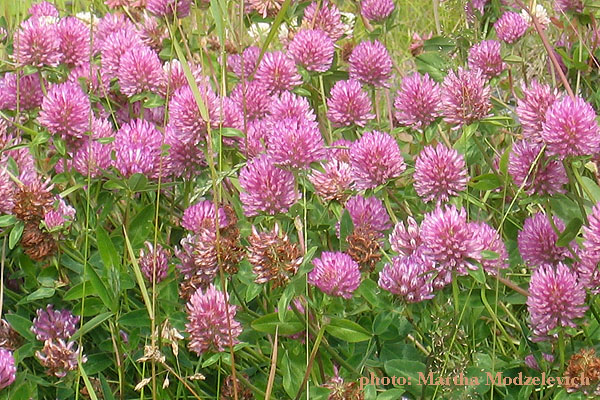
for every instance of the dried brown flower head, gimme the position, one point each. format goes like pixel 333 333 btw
pixel 9 338
pixel 583 364
pixel 227 392
pixel 364 248
pixel 59 357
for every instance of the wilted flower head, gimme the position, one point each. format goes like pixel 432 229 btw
pixel 349 104
pixel 571 128
pixel 326 16
pixel 334 181
pixel 537 241
pixel 154 262
pixel 294 144
pixel 440 172
pixel 211 321
pixel 140 71
pixel 486 57
pixel 312 49
pixel 531 109
pixel 66 111
pixel 555 299
pixel 8 370
pixel 36 43
pixel 43 9
pixel 376 10
pixel 265 7
pixel 26 88
pixel 465 97
pixel 59 216
pixel 74 38
pixel 273 256
pixel 371 64
pixel 417 101
pixel 59 357
pixel 137 148
pixel 164 8
pixel 510 27
pixel 375 158
pixel 54 324
pixel 267 188
pixel 248 59
pixel 368 214
pixel 277 72
pixel 547 177
pixel 490 241
pixel 201 216
pixel 405 239
pixel 336 274
pixel 409 277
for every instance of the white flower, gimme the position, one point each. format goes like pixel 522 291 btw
pixel 540 13
pixel 259 29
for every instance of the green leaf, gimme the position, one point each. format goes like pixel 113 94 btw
pixel 347 330
pixel 232 132
pixel 137 318
pixel 137 182
pixel 346 229
pixel 21 325
pixel 100 288
pixel 268 323
pixel 591 187
pixel 41 293
pixel 107 249
pixel 91 324
pixel 7 220
pixel 408 369
pixel 486 182
pixel 478 274
pixel 60 146
pixel 77 291
pixel 108 394
pixel 570 232
pixel 15 234
pixel 392 394
pixel 154 100
pixel 138 276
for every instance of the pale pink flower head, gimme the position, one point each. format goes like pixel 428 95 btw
pixel 8 370
pixel 115 45
pixel 108 25
pixel 474 8
pixel 375 158
pixel 140 70
pixel 465 97
pixel 440 172
pixel 257 133
pixel 376 10
pixel 243 65
pixel 185 116
pixel 556 299
pixel 74 37
pixel 340 150
pixel 548 177
pixel 43 9
pixel 165 8
pixel 95 156
pixel 66 111
pixel 568 5
pixel 348 104
pixel 333 182
pixel 368 214
pixel 59 216
pixel 409 278
pixel 153 32
pixel 336 274
pixel 537 241
pixel 312 49
pixel 326 16
pixel 587 270
pixel 36 43
pixel 486 57
pixel 265 7
pixel 277 72
pixel 491 241
pixel 510 27
pixel 295 144
pixel 137 148
pixel 202 216
pixel 570 128
pixel 90 77
pixel 405 239
pixel 371 64
pixel 175 76
pixel 8 189
pixel 417 101
pixel 154 262
pixel 186 159
pixel 531 109
pixel 591 232
pixel 291 106
pixel 27 89
pixel 266 187
pixel 54 324
pixel 211 326
pixel 253 98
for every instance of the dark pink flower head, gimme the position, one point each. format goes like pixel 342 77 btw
pixel 66 111
pixel 43 9
pixel 537 241
pixel 486 57
pixel 340 150
pixel 140 70
pixel 450 242
pixel 186 158
pixel 440 172
pixel 165 8
pixel 243 65
pixel 154 262
pixel 211 326
pixel 186 117
pixel 548 176
pixel 531 362
pixel 376 10
pixel 587 269
pixel 591 232
pixel 257 133
pixel 114 46
pixel 291 106
pixel 368 214
pixel 568 5
pixel 555 299
pixel 325 16
pixel 137 148
pixel 27 89
pixel 36 43
pixel 8 189
pixel 8 370
pixel 312 49
pixel 349 104
pixel 108 25
pixel 371 64
pixel 417 101
pixel 474 8
pixel 531 109
pixel 94 156
pixel 295 144
pixel 277 72
pixel 491 241
pixel 465 97
pixel 54 324
pixel 202 216
pixel 74 37
pixel 336 274
pixel 409 277
pixel 375 158
pixel 266 187
pixel 175 76
pixel 59 216
pixel 510 27
pixel 333 182
pixel 253 98
pixel 90 76
pixel 405 239
pixel 571 128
